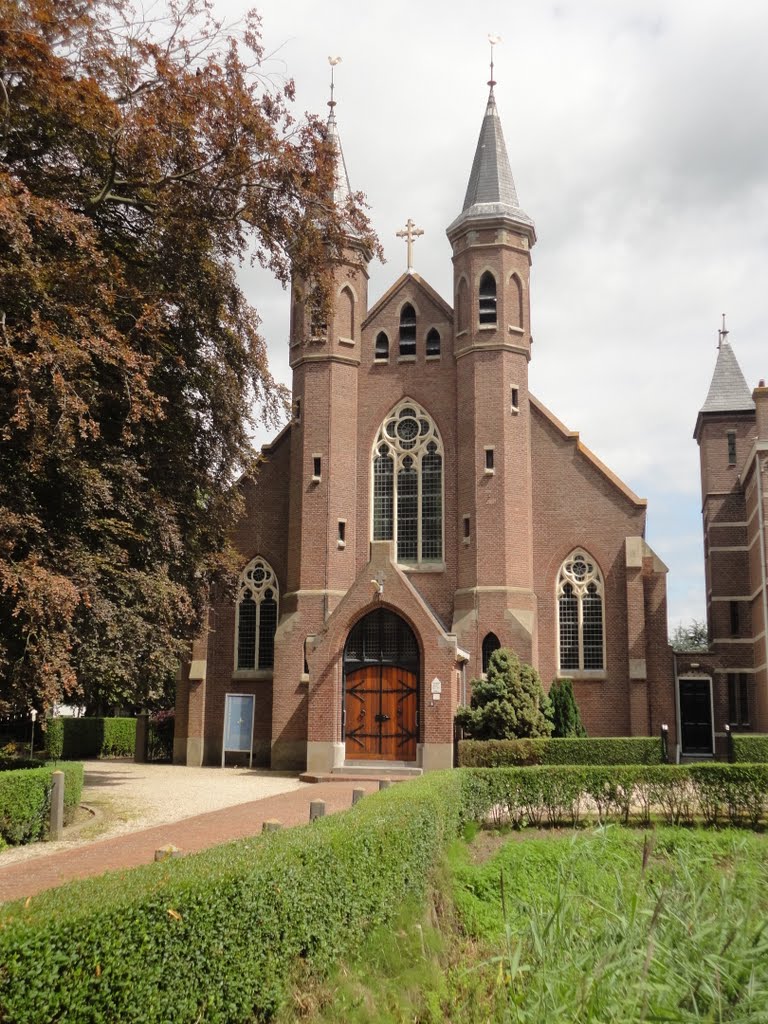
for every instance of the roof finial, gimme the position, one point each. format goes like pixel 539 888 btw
pixel 333 61
pixel 410 234
pixel 722 334
pixel 493 40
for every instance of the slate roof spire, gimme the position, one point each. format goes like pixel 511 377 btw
pixel 491 191
pixel 342 190
pixel 729 391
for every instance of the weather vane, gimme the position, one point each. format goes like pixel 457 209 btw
pixel 333 61
pixel 494 41
pixel 722 334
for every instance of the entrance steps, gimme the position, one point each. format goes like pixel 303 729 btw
pixel 362 771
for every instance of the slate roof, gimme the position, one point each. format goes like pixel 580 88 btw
pixel 729 391
pixel 342 190
pixel 491 190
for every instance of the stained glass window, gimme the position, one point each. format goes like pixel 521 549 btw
pixel 408 484
pixel 580 614
pixel 257 611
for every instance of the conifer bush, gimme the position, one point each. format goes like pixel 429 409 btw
pixel 509 703
pixel 566 719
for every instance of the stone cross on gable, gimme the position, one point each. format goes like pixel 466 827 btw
pixel 410 234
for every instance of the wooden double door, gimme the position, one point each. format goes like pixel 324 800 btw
pixel 381 713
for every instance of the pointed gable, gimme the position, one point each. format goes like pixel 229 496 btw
pixel 427 289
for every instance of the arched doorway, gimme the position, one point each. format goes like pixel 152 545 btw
pixel 381 689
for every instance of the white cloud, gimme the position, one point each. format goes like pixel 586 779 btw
pixel 636 132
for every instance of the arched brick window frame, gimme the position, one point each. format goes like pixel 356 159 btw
pixel 490 644
pixel 407 477
pixel 580 615
pixel 258 598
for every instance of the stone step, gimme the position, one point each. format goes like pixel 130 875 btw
pixel 379 769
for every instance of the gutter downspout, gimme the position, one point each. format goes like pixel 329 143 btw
pixel 759 470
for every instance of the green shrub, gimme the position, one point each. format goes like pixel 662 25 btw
pixel 566 719
pixel 90 737
pixel 509 702
pixel 560 750
pixel 750 747
pixel 12 764
pixel 25 800
pixel 215 936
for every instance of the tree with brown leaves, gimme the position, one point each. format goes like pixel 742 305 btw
pixel 138 163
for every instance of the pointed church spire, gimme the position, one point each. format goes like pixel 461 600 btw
pixel 491 191
pixel 729 391
pixel 342 190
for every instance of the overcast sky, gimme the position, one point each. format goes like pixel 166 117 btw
pixel 637 131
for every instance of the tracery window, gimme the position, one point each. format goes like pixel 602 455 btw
pixel 407 330
pixel 408 484
pixel 487 304
pixel 257 605
pixel 580 596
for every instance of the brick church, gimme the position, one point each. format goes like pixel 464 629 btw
pixel 423 508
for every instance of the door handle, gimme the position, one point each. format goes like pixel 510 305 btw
pixel 382 718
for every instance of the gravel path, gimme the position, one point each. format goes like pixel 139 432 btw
pixel 128 797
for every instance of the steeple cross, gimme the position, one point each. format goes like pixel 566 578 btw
pixel 722 334
pixel 410 234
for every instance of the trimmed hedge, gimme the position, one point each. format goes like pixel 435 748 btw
pixel 25 800
pixel 562 795
pixel 215 936
pixel 570 750
pixel 750 747
pixel 12 764
pixel 90 737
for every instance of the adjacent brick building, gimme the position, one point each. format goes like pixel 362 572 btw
pixel 423 508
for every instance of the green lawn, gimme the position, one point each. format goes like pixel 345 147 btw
pixel 596 926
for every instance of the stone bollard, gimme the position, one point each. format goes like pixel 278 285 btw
pixel 384 784
pixel 316 810
pixel 271 825
pixel 168 852
pixel 57 806
pixel 357 794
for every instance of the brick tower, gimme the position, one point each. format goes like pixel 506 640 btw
pixel 325 359
pixel 492 239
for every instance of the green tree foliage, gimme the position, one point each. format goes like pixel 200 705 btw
pixel 509 703
pixel 139 160
pixel 690 636
pixel 566 719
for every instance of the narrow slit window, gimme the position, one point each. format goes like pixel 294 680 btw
pixel 489 459
pixel 738 699
pixel 433 342
pixel 735 619
pixel 297 411
pixel 466 522
pixel 381 351
pixel 514 399
pixel 731 448
pixel 317 467
pixel 408 330
pixel 487 303
pixel 342 534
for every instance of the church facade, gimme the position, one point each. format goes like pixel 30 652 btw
pixel 421 509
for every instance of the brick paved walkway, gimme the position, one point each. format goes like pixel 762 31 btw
pixel 25 878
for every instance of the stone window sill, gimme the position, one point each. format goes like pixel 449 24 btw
pixel 406 359
pixel 255 675
pixel 588 676
pixel 422 567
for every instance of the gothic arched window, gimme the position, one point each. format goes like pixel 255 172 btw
pixel 257 600
pixel 381 350
pixel 487 296
pixel 516 301
pixel 408 484
pixel 407 330
pixel 490 644
pixel 580 597
pixel 433 342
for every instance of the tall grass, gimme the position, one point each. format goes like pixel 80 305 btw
pixel 620 926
